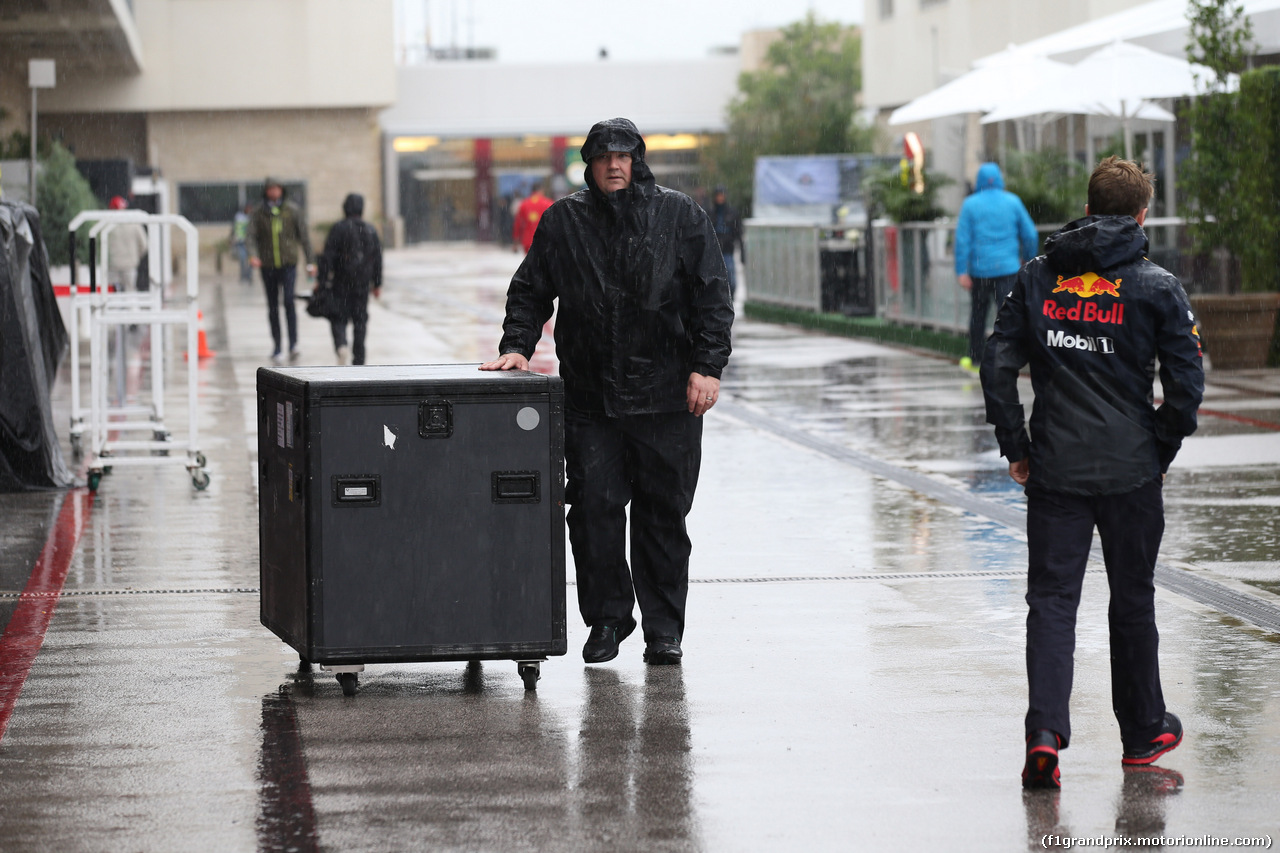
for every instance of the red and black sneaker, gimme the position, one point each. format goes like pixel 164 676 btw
pixel 1168 739
pixel 1041 769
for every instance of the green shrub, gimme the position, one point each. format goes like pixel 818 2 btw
pixel 890 195
pixel 1053 186
pixel 61 193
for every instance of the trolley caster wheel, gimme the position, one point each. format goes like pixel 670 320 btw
pixel 350 682
pixel 201 461
pixel 106 469
pixel 200 480
pixel 530 673
pixel 95 478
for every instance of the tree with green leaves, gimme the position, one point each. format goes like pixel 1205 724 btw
pixel 1213 177
pixel 801 102
pixel 61 193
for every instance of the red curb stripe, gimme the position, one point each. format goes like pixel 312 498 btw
pixel 1241 419
pixel 25 633
pixel 1228 416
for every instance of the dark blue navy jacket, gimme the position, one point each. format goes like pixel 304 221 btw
pixel 1091 316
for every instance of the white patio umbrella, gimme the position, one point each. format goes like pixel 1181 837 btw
pixel 1119 80
pixel 1003 76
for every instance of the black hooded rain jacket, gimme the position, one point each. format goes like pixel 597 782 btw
pixel 1091 315
pixel 642 289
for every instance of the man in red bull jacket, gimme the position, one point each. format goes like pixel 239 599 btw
pixel 1091 316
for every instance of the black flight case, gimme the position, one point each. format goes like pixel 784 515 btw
pixel 412 513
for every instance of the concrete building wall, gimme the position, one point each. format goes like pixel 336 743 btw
pixel 99 136
pixel 15 100
pixel 497 99
pixel 248 54
pixel 335 151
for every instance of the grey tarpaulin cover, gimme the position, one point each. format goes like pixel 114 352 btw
pixel 32 343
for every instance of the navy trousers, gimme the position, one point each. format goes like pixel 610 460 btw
pixel 652 463
pixel 1059 535
pixel 356 312
pixel 986 294
pixel 277 279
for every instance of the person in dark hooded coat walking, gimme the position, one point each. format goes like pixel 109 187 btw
pixel 352 258
pixel 642 335
pixel 1092 316
pixel 277 232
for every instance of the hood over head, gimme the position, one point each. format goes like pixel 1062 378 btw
pixel 353 205
pixel 989 177
pixel 268 183
pixel 1095 243
pixel 616 134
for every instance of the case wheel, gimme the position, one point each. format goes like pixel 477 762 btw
pixel 200 460
pixel 95 478
pixel 350 681
pixel 200 479
pixel 530 672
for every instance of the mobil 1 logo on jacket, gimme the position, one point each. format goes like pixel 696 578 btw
pixel 1084 312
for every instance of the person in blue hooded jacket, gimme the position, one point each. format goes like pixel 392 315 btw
pixel 994 238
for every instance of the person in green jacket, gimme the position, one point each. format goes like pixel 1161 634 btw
pixel 277 230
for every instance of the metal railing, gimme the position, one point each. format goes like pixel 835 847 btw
pixel 913 268
pixel 783 264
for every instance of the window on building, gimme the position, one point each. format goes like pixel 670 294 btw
pixel 886 8
pixel 218 201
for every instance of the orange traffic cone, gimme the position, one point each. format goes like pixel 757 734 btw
pixel 202 342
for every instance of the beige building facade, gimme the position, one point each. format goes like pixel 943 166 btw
pixel 910 47
pixel 214 95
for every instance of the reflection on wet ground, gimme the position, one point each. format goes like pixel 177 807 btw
pixel 1221 496
pixel 1140 811
pixel 453 758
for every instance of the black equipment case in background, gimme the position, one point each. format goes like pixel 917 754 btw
pixel 412 513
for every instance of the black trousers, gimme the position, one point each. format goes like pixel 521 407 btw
pixel 276 279
pixel 986 294
pixel 1059 534
pixel 651 462
pixel 357 314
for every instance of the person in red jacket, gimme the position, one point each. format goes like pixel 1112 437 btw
pixel 528 215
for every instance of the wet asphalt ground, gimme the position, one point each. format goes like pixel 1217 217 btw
pixel 853 677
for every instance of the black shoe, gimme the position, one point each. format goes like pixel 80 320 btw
pixel 1041 769
pixel 663 651
pixel 1168 739
pixel 602 644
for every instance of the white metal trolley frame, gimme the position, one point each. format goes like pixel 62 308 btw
pixel 109 310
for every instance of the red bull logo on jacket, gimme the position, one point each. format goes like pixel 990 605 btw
pixel 1087 285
